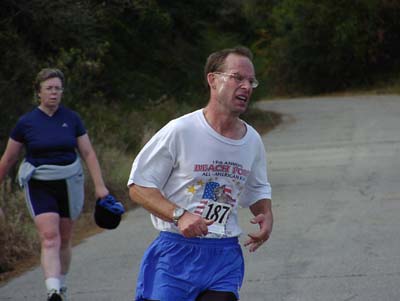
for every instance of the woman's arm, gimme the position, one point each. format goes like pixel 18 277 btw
pixel 89 156
pixel 10 157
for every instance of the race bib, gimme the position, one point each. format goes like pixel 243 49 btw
pixel 219 213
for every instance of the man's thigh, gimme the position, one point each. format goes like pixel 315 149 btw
pixel 216 296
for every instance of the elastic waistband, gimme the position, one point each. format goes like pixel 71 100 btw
pixel 229 241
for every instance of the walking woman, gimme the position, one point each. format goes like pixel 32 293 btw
pixel 54 138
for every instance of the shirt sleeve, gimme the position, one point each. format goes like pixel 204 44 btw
pixel 155 162
pixel 257 186
pixel 17 133
pixel 80 128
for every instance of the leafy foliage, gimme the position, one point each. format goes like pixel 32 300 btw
pixel 137 52
pixel 330 45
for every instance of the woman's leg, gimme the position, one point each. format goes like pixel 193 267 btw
pixel 66 227
pixel 48 226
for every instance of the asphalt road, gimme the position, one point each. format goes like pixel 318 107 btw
pixel 334 166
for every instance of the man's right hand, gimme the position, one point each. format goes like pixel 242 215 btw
pixel 192 225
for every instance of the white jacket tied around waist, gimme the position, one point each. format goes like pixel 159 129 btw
pixel 72 174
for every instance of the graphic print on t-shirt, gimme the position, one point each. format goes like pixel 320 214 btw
pixel 221 181
pixel 213 191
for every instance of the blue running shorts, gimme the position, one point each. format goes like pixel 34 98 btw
pixel 175 268
pixel 48 196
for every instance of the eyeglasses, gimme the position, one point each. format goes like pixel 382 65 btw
pixel 240 79
pixel 50 89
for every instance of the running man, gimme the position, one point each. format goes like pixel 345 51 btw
pixel 192 176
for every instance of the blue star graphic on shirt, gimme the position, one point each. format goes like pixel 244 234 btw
pixel 209 191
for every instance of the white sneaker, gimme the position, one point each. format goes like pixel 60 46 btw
pixel 53 295
pixel 63 293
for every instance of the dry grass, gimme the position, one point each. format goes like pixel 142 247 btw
pixel 262 121
pixel 18 240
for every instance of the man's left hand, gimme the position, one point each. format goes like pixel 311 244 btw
pixel 256 239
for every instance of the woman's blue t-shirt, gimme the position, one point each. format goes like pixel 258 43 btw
pixel 49 139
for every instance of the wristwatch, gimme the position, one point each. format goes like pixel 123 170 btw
pixel 178 212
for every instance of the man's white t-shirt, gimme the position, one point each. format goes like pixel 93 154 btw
pixel 204 172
